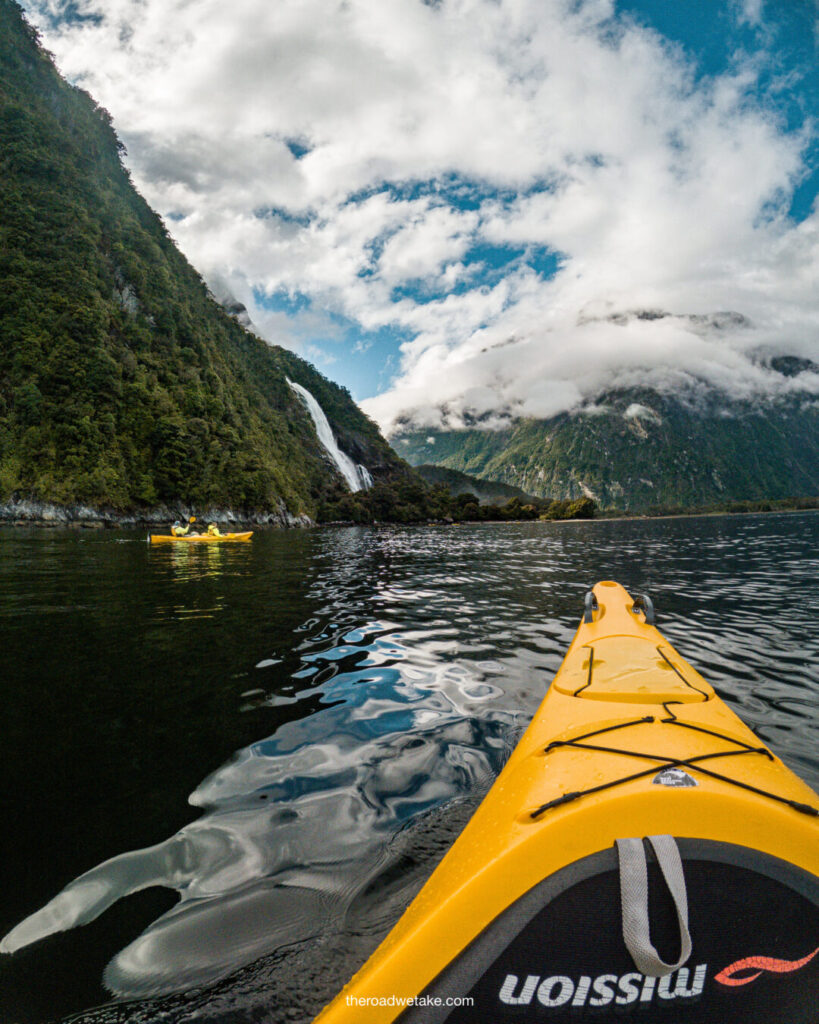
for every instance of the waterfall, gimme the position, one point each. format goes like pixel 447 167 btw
pixel 357 477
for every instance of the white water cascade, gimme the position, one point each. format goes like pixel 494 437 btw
pixel 357 477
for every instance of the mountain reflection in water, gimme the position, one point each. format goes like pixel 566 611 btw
pixel 395 700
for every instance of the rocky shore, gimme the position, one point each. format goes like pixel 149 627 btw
pixel 39 513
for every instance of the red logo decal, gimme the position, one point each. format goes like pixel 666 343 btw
pixel 758 964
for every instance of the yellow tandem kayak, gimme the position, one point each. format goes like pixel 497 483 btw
pixel 203 538
pixel 643 857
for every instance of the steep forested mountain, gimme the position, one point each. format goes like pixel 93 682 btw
pixel 122 382
pixel 639 449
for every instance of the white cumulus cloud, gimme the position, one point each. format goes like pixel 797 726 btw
pixel 373 157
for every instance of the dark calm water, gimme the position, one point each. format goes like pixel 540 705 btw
pixel 272 745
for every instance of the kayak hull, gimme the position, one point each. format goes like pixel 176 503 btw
pixel 523 915
pixel 204 538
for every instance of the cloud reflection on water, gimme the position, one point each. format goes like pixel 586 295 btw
pixel 295 825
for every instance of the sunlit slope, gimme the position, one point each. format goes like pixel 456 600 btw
pixel 122 382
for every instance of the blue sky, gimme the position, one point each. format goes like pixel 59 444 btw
pixel 784 36
pixel 456 209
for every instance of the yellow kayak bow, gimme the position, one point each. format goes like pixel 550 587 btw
pixel 643 857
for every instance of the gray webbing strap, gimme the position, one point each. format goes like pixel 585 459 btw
pixel 634 900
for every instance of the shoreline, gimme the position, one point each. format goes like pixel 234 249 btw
pixel 641 518
pixel 49 515
pixel 55 517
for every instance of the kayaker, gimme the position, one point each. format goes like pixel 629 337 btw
pixel 178 530
pixel 213 530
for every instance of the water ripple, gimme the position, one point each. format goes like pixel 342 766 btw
pixel 418 657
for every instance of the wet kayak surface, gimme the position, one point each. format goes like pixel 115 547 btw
pixel 239 763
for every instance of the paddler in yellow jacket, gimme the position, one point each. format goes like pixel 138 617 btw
pixel 213 530
pixel 178 530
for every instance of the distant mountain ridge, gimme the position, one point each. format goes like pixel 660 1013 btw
pixel 122 382
pixel 637 448
pixel 488 492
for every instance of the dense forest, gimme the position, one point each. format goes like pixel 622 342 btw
pixel 122 382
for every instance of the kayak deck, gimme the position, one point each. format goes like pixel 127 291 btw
pixel 203 538
pixel 630 741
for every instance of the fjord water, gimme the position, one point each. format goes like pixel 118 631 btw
pixel 293 732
